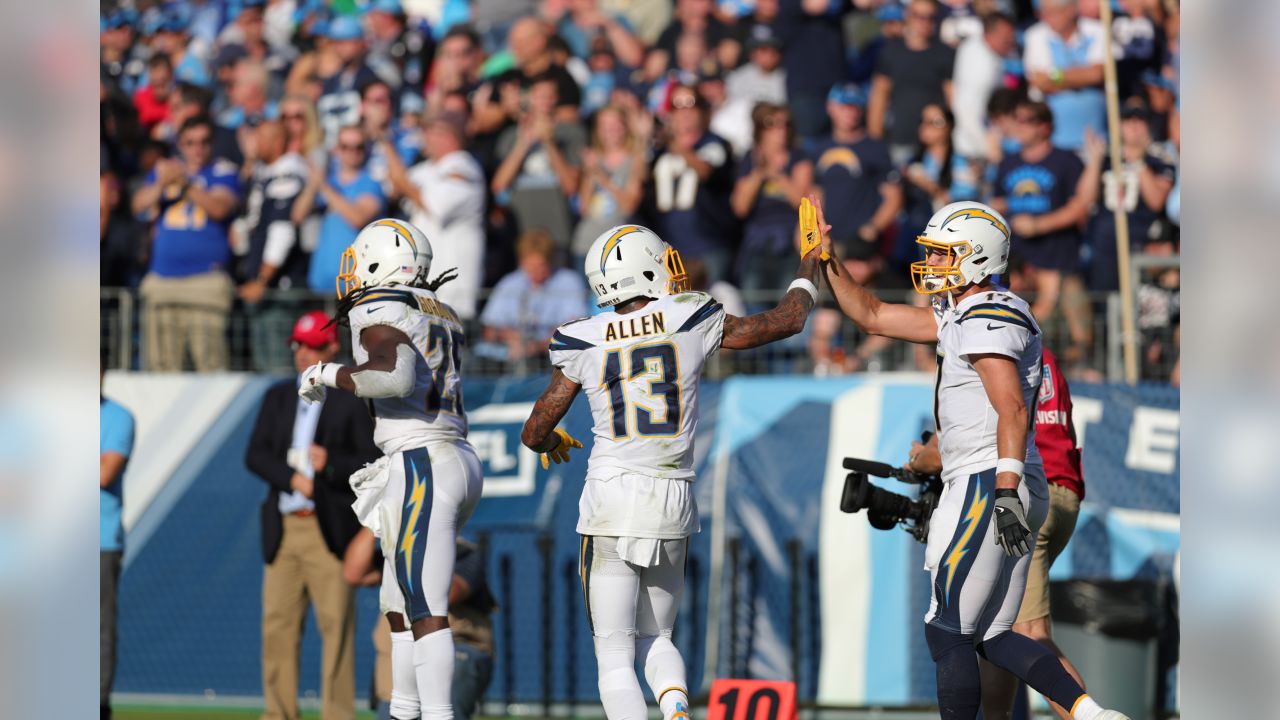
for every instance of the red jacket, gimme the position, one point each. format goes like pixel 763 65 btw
pixel 1055 433
pixel 151 111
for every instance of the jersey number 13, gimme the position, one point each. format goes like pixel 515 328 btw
pixel 659 361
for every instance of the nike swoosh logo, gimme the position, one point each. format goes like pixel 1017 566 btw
pixel 994 327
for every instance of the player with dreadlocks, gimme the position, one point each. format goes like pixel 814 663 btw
pixel 419 495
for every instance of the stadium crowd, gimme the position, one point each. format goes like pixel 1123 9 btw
pixel 245 142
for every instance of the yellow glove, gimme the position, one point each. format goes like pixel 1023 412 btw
pixel 810 238
pixel 560 453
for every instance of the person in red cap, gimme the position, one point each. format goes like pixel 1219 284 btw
pixel 305 452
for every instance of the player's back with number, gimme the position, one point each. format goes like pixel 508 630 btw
pixel 434 410
pixel 640 372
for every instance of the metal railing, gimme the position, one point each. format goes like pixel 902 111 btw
pixel 258 335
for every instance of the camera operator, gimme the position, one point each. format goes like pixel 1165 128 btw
pixel 989 368
pixel 1056 440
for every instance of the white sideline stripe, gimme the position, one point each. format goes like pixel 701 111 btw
pixel 172 412
pixel 845 593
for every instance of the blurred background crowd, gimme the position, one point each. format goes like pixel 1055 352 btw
pixel 245 143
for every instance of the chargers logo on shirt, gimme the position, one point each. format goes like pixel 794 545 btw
pixel 842 156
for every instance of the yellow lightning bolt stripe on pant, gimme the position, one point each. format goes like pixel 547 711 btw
pixel 417 517
pixel 976 508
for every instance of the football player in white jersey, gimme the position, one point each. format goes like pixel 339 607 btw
pixel 639 366
pixel 995 495
pixel 408 346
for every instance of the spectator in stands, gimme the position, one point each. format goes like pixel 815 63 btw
pixel 187 58
pixel 613 172
pixel 935 176
pixel 541 164
pixel 1159 306
pixel 530 303
pixel 772 180
pixel 339 103
pixel 302 129
pixel 152 100
pixel 349 199
pixel 890 19
pixel 730 120
pixel 762 79
pixel 188 101
pixel 813 60
pixel 250 102
pixel 248 32
pixel 498 103
pixel 1162 95
pixel 118 52
pixel 456 67
pixel 118 234
pixel 378 117
pixel 692 181
pixel 1063 58
pixel 275 257
pixel 696 16
pixel 445 194
pixel 910 73
pixel 581 21
pixel 115 445
pixel 854 172
pixel 304 453
pixel 398 54
pixel 1138 43
pixel 1141 188
pixel 470 607
pixel 979 72
pixel 187 293
pixel 1041 190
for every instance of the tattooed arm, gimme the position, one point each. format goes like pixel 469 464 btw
pixel 783 321
pixel 539 433
pixel 893 320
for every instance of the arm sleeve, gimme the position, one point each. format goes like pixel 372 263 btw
pixel 280 238
pixel 708 322
pixel 458 186
pixel 984 336
pixel 570 354
pixel 1036 58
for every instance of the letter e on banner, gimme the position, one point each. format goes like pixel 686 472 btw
pixel 733 699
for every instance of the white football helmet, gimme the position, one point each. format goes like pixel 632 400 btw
pixel 386 252
pixel 976 239
pixel 631 261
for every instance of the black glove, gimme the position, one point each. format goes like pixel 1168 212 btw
pixel 1012 531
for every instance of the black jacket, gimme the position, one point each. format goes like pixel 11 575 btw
pixel 344 429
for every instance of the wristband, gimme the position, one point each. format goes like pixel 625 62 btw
pixel 329 374
pixel 805 285
pixel 1009 465
pixel 1056 76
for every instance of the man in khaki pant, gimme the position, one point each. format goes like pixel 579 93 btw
pixel 186 294
pixel 305 453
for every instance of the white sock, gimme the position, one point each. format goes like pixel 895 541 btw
pixel 620 692
pixel 1086 709
pixel 404 682
pixel 433 664
pixel 664 671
